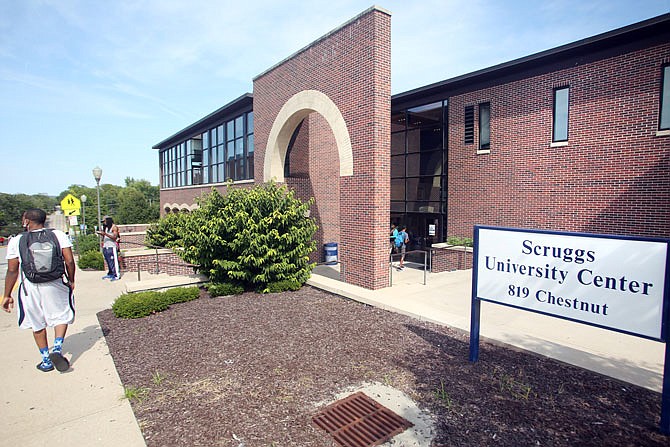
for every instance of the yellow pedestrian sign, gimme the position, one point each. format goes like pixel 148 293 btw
pixel 70 205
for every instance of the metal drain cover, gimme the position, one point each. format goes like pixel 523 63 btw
pixel 358 421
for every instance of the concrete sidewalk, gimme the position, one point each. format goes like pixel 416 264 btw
pixel 80 407
pixel 445 299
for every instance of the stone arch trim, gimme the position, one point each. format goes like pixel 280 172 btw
pixel 297 108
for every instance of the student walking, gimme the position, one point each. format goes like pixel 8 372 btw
pixel 42 259
pixel 401 241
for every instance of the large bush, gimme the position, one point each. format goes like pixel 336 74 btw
pixel 253 237
pixel 166 232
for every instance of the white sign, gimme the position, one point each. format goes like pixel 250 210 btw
pixel 73 221
pixel 612 282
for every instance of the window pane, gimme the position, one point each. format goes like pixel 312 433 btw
pixel 398 189
pixel 484 125
pixel 397 143
pixel 221 136
pixel 561 114
pixel 425 139
pixel 665 100
pixel 239 148
pixel 250 122
pixel 423 188
pixel 250 167
pixel 424 163
pixel 205 140
pixel 398 166
pixel 239 126
pixel 398 207
pixel 250 144
pixel 424 207
pixel 230 127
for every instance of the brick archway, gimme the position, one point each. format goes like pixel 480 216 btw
pixel 345 77
pixel 291 114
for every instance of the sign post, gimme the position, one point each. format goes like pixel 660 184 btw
pixel 594 279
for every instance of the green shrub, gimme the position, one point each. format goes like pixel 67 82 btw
pixel 142 304
pixel 91 260
pixel 281 286
pixel 88 242
pixel 460 241
pixel 224 289
pixel 182 294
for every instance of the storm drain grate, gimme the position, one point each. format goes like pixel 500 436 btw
pixel 358 421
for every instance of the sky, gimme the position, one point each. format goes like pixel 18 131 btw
pixel 86 83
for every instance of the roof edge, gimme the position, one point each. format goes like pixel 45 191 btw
pixel 198 123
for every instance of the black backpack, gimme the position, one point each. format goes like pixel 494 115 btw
pixel 41 256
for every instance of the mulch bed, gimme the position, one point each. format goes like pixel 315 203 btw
pixel 252 370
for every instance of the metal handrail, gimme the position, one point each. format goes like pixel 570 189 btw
pixel 156 261
pixel 426 253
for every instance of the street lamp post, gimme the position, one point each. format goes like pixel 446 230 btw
pixel 83 210
pixel 97 174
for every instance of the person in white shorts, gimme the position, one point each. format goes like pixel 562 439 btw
pixel 45 304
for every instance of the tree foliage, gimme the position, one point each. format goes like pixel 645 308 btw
pixel 256 237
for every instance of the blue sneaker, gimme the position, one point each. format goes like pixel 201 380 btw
pixel 45 366
pixel 107 277
pixel 114 278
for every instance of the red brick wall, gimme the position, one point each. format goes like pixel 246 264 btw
pixel 446 260
pixel 613 177
pixel 352 67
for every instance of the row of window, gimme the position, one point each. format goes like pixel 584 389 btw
pixel 560 115
pixel 224 152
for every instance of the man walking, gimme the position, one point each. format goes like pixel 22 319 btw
pixel 43 260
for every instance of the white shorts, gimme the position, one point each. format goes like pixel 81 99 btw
pixel 44 305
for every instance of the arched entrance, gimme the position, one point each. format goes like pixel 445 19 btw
pixel 337 93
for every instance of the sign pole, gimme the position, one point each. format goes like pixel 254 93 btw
pixel 475 306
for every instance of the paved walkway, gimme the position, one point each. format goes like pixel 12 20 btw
pixel 84 406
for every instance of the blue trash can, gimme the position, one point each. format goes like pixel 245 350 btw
pixel 330 252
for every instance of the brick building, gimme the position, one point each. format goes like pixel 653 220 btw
pixel 576 138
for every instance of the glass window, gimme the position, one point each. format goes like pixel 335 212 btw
pixel 250 144
pixel 397 143
pixel 398 189
pixel 485 125
pixel 220 135
pixel 665 100
pixel 428 138
pixel 239 148
pixel 250 122
pixel 423 188
pixel 398 166
pixel 561 107
pixel 230 127
pixel 205 139
pixel 239 126
pixel 424 163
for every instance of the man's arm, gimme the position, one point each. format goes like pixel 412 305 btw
pixel 70 267
pixel 10 280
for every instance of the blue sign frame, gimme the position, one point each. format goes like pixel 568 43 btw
pixel 475 313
